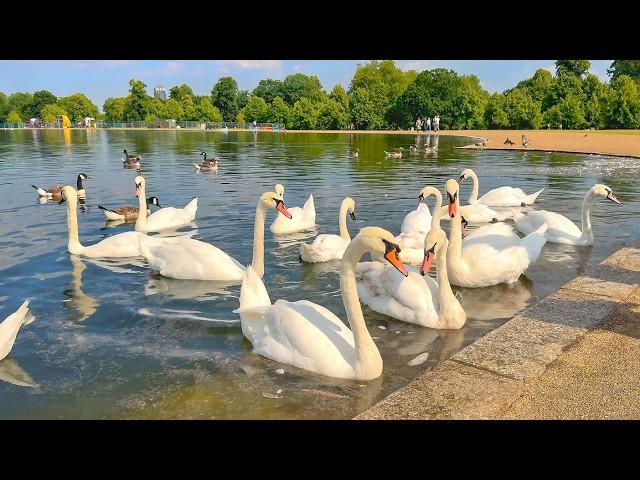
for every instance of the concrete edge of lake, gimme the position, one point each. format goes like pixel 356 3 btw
pixel 574 354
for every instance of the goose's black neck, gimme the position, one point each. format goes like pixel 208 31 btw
pixel 79 183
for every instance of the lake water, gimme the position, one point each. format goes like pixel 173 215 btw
pixel 111 340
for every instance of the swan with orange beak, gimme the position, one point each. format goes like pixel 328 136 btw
pixel 489 255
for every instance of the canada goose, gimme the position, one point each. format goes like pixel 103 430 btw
pixel 508 142
pixel 131 160
pixel 397 154
pixel 355 153
pixel 207 164
pixel 128 214
pixel 55 192
pixel 525 142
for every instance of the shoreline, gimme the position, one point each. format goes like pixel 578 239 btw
pixel 617 143
pixel 532 366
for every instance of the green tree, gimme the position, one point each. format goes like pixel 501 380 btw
pixel 256 109
pixel 568 111
pixel 78 106
pixel 180 92
pixel 279 112
pixel 114 109
pixel 564 85
pixel 539 86
pixel 4 107
pixel 174 109
pixel 41 99
pixel 243 98
pixel 495 113
pixel 268 90
pixel 594 97
pixel 578 68
pixel 304 115
pixel 50 112
pixel 522 111
pixel 368 108
pixel 137 105
pixel 224 96
pixel 299 85
pixel 631 68
pixel 339 94
pixel 623 103
pixel 21 103
pixel 331 116
pixel 14 117
pixel 207 112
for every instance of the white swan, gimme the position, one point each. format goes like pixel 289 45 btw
pixel 412 241
pixel 415 298
pixel 10 326
pixel 498 197
pixel 491 255
pixel 120 245
pixel 168 217
pixel 301 218
pixel 326 247
pixel 307 335
pixel 189 259
pixel 561 229
pixel 418 220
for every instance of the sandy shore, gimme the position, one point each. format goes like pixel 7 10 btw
pixel 624 143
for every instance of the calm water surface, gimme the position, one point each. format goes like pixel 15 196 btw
pixel 111 340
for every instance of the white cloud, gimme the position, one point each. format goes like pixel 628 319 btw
pixel 417 65
pixel 272 66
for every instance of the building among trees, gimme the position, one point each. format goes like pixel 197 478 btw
pixel 160 92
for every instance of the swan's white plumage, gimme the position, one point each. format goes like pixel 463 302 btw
pixel 418 220
pixel 11 325
pixel 561 229
pixel 508 197
pixel 301 219
pixel 325 247
pixel 412 299
pixel 168 217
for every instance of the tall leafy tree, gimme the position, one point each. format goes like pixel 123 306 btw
pixel 522 111
pixel 137 106
pixel 299 85
pixel 279 112
pixel 268 90
pixel 631 68
pixel 78 106
pixel 14 117
pixel 4 107
pixel 50 112
pixel 41 99
pixel 539 86
pixel 207 112
pixel 224 96
pixel 180 92
pixel 114 109
pixel 20 102
pixel 578 68
pixel 304 115
pixel 256 109
pixel 623 103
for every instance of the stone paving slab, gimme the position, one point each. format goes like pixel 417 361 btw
pixel 487 377
pixel 449 391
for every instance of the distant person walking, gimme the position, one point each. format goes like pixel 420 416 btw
pixel 436 123
pixel 428 124
pixel 418 124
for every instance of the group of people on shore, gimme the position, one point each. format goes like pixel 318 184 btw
pixel 426 123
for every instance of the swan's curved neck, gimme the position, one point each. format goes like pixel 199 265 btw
pixel 73 245
pixel 141 221
pixel 367 355
pixel 473 198
pixel 447 298
pixel 258 240
pixel 587 203
pixel 342 221
pixel 454 252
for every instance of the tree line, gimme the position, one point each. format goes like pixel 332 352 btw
pixel 380 96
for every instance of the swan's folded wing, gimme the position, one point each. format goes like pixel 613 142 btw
pixel 121 245
pixel 253 293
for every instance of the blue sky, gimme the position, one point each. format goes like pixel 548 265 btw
pixel 100 79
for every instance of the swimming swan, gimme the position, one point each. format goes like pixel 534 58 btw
pixel 327 247
pixel 498 197
pixel 417 298
pixel 168 217
pixel 561 229
pixel 301 218
pixel 10 326
pixel 189 259
pixel 485 259
pixel 309 336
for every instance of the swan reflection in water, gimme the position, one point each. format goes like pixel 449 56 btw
pixel 498 301
pixel 11 372
pixel 80 305
pixel 187 289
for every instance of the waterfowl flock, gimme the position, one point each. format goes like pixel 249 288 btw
pixel 395 282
